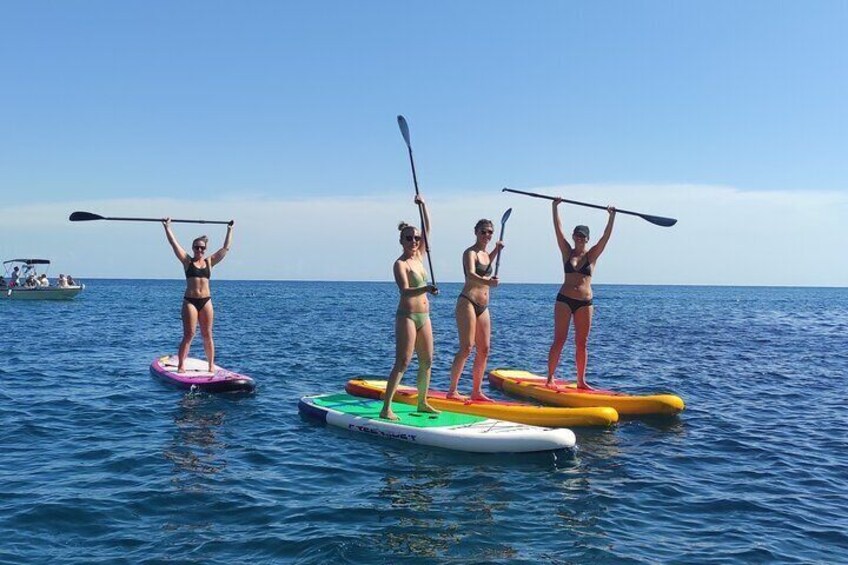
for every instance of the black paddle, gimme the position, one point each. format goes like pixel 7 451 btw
pixel 404 130
pixel 88 216
pixel 656 220
pixel 504 218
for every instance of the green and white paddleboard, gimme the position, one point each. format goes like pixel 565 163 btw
pixel 462 432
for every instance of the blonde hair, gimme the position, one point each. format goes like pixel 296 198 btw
pixel 202 238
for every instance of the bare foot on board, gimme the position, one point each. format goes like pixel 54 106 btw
pixel 389 416
pixel 427 408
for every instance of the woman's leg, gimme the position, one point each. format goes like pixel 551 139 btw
pixel 206 316
pixel 424 349
pixel 189 316
pixel 582 327
pixel 404 346
pixel 562 318
pixel 481 357
pixel 465 324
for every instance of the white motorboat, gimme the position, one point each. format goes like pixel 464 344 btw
pixel 22 281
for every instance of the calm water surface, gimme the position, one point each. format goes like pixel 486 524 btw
pixel 101 463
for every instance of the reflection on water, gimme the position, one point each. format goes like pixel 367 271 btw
pixel 195 449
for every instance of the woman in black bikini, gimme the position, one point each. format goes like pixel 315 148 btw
pixel 575 295
pixel 472 310
pixel 197 301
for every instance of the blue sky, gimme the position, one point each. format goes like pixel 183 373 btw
pixel 234 107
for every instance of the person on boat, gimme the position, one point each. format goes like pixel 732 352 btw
pixel 15 277
pixel 42 280
pixel 574 300
pixel 197 301
pixel 3 283
pixel 413 330
pixel 30 281
pixel 473 321
pixel 70 280
pixel 62 282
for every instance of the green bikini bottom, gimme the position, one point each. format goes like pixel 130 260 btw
pixel 418 318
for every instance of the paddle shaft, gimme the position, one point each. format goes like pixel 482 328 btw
pixel 88 216
pixel 657 220
pixel 404 130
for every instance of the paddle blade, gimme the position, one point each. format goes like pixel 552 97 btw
pixel 404 130
pixel 506 216
pixel 84 217
pixel 659 220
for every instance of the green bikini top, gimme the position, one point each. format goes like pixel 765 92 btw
pixel 415 281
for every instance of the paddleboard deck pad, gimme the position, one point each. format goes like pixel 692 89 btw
pixel 528 385
pixel 448 430
pixel 545 416
pixel 197 375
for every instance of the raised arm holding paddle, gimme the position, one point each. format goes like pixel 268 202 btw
pixel 413 329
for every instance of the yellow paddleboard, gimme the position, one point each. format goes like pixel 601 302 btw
pixel 529 385
pixel 545 416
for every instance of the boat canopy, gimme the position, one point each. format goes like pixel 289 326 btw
pixel 28 261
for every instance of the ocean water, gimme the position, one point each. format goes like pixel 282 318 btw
pixel 103 464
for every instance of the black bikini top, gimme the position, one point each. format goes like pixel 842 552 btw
pixel 480 269
pixel 193 271
pixel 586 269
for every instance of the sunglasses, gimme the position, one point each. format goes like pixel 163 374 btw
pixel 580 235
pixel 199 247
pixel 413 238
pixel 487 232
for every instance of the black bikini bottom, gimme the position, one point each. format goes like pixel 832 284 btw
pixel 478 309
pixel 573 304
pixel 198 303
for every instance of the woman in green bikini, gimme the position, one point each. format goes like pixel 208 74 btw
pixel 413 331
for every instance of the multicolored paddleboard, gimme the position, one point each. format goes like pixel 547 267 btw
pixel 449 430
pixel 529 385
pixel 197 375
pixel 546 416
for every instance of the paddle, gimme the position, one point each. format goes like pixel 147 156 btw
pixel 504 218
pixel 656 220
pixel 404 131
pixel 88 216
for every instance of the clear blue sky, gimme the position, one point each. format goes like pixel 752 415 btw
pixel 283 100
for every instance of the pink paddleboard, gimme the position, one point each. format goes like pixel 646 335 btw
pixel 197 375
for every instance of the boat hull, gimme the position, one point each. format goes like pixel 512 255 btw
pixel 40 293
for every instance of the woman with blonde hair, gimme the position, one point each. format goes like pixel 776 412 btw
pixel 413 330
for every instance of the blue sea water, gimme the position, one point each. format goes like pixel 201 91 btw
pixel 101 463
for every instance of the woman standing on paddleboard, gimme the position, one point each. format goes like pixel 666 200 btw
pixel 197 301
pixel 574 300
pixel 472 310
pixel 413 330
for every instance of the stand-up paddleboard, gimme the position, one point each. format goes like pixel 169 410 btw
pixel 449 430
pixel 529 385
pixel 197 375
pixel 546 416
